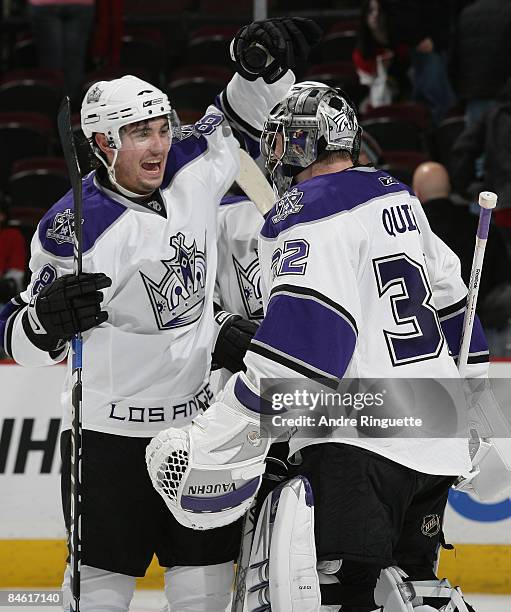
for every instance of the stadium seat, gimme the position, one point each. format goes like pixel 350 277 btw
pixel 335 47
pixel 404 111
pixel 442 138
pixel 408 160
pixel 219 74
pixel 38 182
pixel 31 93
pixel 147 54
pixel 395 135
pixel 188 116
pixel 22 135
pixel 213 49
pixel 25 218
pixel 227 7
pixel 145 7
pixel 193 93
pixel 344 25
pixel 401 174
pixel 338 74
pixel 23 54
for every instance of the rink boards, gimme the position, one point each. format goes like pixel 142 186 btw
pixel 32 547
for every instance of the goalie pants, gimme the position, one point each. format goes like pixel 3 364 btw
pixel 372 512
pixel 124 520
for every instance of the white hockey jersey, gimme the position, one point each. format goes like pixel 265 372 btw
pixel 356 284
pixel 147 367
pixel 238 278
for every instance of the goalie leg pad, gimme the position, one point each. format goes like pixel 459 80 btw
pixel 282 574
pixel 204 588
pixel 396 594
pixel 100 590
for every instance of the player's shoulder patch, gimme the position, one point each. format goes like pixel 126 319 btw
pixel 289 204
pixel 55 229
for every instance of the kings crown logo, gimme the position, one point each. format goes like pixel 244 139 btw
pixel 288 205
pixel 249 281
pixel 62 227
pixel 178 298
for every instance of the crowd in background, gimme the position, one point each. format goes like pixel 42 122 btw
pixel 432 81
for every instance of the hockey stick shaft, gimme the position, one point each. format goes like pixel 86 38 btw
pixel 487 202
pixel 253 182
pixel 247 537
pixel 68 146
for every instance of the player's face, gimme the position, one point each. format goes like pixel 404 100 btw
pixel 141 160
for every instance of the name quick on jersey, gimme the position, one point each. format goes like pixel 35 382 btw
pixel 398 220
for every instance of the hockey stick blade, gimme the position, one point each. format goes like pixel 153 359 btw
pixel 68 146
pixel 253 182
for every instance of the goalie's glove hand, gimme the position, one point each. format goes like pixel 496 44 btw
pixel 271 47
pixel 233 341
pixel 69 305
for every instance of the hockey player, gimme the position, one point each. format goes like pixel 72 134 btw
pixel 145 305
pixel 237 296
pixel 355 285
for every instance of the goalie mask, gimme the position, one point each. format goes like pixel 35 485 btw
pixel 108 106
pixel 312 119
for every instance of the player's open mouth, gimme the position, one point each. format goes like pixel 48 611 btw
pixel 152 166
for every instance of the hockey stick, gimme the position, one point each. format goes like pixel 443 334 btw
pixel 253 182
pixel 487 202
pixel 68 146
pixel 247 537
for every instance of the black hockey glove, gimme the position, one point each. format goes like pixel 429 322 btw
pixel 232 341
pixel 71 304
pixel 271 47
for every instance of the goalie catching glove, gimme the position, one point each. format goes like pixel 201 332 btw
pixel 208 473
pixel 271 47
pixel 69 305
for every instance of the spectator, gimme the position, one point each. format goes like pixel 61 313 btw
pixel 12 261
pixel 481 54
pixel 61 31
pixel 12 258
pixel 425 28
pixel 489 137
pixel 457 227
pixel 382 68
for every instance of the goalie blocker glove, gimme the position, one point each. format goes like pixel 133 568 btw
pixel 270 48
pixel 71 304
pixel 232 341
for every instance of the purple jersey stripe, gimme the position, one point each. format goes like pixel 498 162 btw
pixel 330 194
pixel 182 153
pixel 252 401
pixel 226 200
pixel 308 331
pixel 452 329
pixel 8 311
